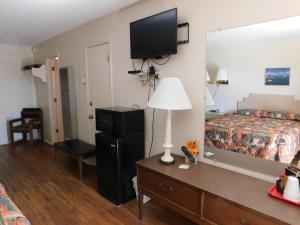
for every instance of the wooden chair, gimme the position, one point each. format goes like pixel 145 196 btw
pixel 31 118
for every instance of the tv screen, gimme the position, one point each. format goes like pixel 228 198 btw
pixel 154 36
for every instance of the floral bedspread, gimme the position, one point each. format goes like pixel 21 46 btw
pixel 272 139
pixel 9 213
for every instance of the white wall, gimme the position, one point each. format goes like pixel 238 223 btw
pixel 42 98
pixel 17 89
pixel 189 64
pixel 245 65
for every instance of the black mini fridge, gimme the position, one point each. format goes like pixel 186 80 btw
pixel 117 152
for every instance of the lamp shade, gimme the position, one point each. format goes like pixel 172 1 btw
pixel 222 75
pixel 207 77
pixel 170 94
pixel 209 101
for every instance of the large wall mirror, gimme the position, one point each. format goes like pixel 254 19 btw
pixel 253 95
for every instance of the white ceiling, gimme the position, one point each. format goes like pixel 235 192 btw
pixel 30 22
pixel 283 28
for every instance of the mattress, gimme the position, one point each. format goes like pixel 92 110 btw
pixel 9 213
pixel 267 138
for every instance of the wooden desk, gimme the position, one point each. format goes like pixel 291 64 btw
pixel 210 195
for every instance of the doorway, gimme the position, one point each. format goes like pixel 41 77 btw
pixel 68 102
pixel 55 110
pixel 99 82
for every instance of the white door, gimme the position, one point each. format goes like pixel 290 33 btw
pixel 99 83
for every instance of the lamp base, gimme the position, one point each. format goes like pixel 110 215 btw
pixel 166 162
pixel 167 158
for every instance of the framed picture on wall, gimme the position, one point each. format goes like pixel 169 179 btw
pixel 277 76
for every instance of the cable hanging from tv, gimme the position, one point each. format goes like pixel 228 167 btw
pixel 162 63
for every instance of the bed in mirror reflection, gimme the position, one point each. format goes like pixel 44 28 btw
pixel 253 119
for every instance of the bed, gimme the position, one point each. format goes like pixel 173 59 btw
pixel 261 127
pixel 9 213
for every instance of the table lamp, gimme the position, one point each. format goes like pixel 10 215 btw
pixel 222 77
pixel 169 95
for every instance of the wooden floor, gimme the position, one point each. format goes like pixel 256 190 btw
pixel 50 193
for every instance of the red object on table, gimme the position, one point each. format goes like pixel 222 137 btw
pixel 274 193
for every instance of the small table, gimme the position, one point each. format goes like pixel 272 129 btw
pixel 76 148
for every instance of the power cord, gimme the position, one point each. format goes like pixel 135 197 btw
pixel 148 76
pixel 133 65
pixel 144 60
pixel 150 84
pixel 152 127
pixel 163 63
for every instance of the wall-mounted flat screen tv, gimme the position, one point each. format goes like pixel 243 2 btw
pixel 154 36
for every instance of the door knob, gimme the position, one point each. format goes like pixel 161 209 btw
pixel 91 116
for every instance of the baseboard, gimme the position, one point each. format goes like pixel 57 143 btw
pixel 48 142
pixel 4 143
pixel 9 143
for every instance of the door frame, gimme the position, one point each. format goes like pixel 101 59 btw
pixel 86 77
pixel 55 109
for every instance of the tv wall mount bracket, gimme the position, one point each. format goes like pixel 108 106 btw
pixel 187 26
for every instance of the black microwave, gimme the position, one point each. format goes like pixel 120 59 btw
pixel 120 121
